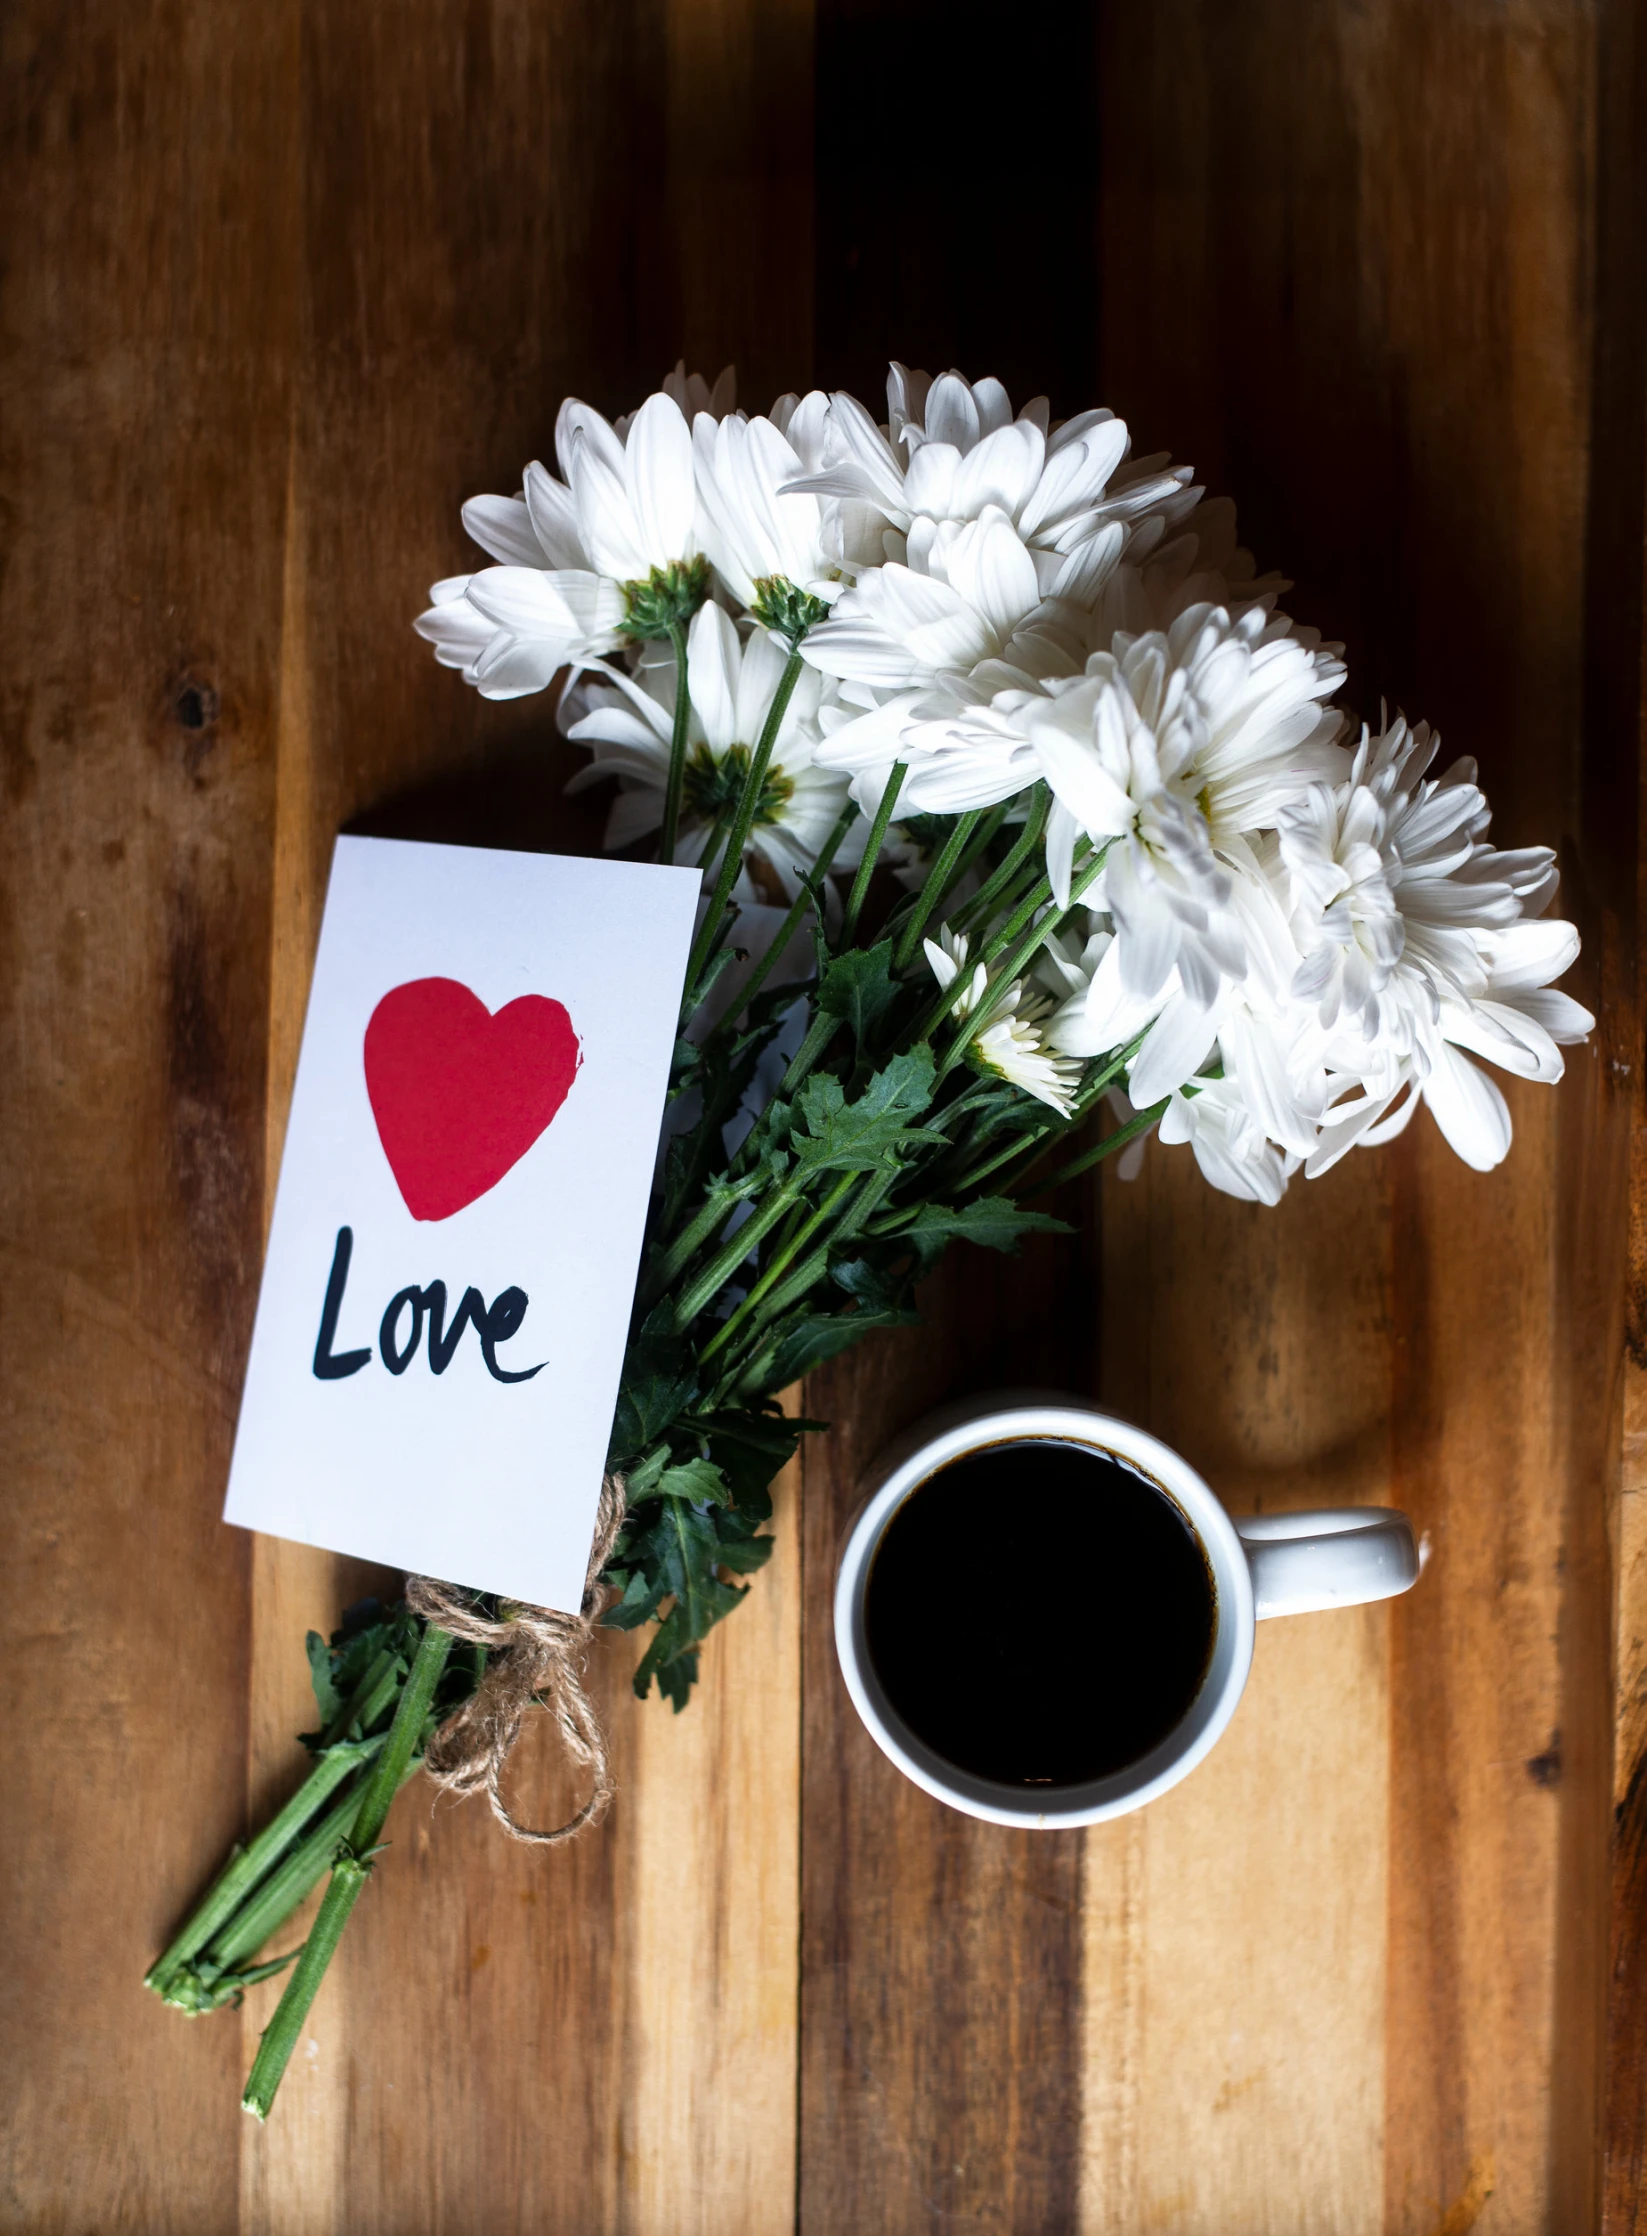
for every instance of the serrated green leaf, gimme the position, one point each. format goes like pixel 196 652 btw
pixel 870 1284
pixel 993 1222
pixel 749 1448
pixel 820 1336
pixel 642 1481
pixel 676 1679
pixel 858 1136
pixel 746 1555
pixel 858 987
pixel 328 1700
pixel 658 1383
pixel 638 1603
pixel 698 1481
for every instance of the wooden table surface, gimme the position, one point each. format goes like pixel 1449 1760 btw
pixel 282 284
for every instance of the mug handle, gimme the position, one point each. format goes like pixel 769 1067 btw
pixel 1342 1556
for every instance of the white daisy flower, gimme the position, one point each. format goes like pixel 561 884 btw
pixel 1169 748
pixel 1229 1143
pixel 571 552
pixel 510 628
pixel 752 528
pixel 946 958
pixel 1011 1043
pixel 952 450
pixel 1473 974
pixel 632 497
pixel 693 394
pixel 629 721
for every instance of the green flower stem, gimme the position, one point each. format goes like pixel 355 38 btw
pixel 725 1264
pixel 775 1270
pixel 1008 969
pixel 281 1893
pixel 1045 1135
pixel 705 1222
pixel 677 749
pixel 820 1033
pixel 369 1699
pixel 1000 879
pixel 743 821
pixel 807 1274
pixel 937 884
pixel 806 898
pixel 1037 1141
pixel 349 1873
pixel 1034 937
pixel 1136 1125
pixel 249 1866
pixel 872 848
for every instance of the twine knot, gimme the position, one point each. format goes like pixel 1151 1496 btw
pixel 534 1654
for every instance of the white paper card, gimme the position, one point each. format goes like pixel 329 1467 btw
pixel 459 1219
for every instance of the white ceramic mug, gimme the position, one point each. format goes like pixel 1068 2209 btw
pixel 1272 1564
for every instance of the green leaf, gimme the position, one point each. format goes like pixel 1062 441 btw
pixel 871 1284
pixel 808 1342
pixel 327 1697
pixel 858 987
pixel 993 1222
pixel 658 1383
pixel 639 1601
pixel 750 1448
pixel 699 1482
pixel 859 1136
pixel 641 1482
pixel 746 1555
pixel 676 1679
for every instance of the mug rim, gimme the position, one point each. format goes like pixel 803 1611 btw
pixel 973 1425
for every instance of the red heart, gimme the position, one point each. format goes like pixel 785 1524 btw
pixel 458 1094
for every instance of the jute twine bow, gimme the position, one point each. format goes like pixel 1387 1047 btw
pixel 535 1654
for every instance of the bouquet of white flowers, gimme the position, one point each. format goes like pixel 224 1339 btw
pixel 1137 864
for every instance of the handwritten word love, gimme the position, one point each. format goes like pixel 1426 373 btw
pixel 493 1323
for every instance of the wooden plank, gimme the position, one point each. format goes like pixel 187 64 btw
pixel 147 298
pixel 1346 264
pixel 1235 1932
pixel 520 2039
pixel 940 1958
pixel 711 2028
pixel 286 291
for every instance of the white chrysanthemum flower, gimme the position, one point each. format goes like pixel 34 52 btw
pixel 1252 1026
pixel 752 528
pixel 567 549
pixel 1230 1144
pixel 999 534
pixel 1169 749
pixel 1471 975
pixel 946 958
pixel 952 450
pixel 1344 914
pixel 1012 1042
pixel 510 630
pixel 633 497
pixel 967 594
pixel 693 394
pixel 629 721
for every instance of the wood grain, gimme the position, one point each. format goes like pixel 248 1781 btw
pixel 940 1958
pixel 281 288
pixel 1235 2068
pixel 535 2065
pixel 145 405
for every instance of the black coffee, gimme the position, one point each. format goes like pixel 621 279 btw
pixel 1039 1615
